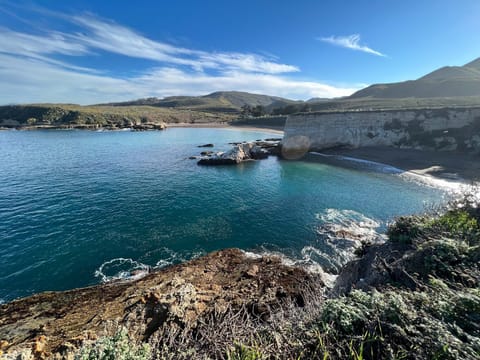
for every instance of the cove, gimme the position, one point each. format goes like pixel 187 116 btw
pixel 79 207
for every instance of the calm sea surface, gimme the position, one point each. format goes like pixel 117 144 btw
pixel 79 207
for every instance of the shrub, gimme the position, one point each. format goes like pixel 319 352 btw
pixel 406 229
pixel 116 347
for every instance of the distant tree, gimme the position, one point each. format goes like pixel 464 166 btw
pixel 246 110
pixel 258 110
pixel 306 108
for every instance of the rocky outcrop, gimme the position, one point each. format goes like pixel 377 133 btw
pixel 149 126
pixel 242 152
pixel 54 324
pixel 445 129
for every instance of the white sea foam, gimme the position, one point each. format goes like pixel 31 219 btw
pixel 121 269
pixel 306 263
pixel 129 269
pixel 454 186
pixel 340 232
pixel 371 165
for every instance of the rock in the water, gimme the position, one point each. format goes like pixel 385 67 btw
pixel 206 145
pixel 258 153
pixel 241 152
pixel 236 155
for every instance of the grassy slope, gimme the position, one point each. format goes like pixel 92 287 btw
pixel 444 82
pixel 64 114
pixel 222 101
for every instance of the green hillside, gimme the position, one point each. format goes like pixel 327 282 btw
pixel 221 101
pixel 448 81
pixel 68 115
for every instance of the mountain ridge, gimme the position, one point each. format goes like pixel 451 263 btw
pixel 224 101
pixel 447 81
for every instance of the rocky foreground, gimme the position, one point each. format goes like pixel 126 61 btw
pixel 55 324
pixel 416 296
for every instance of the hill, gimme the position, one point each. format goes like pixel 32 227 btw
pixel 110 117
pixel 448 81
pixel 220 101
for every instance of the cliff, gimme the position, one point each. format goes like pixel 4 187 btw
pixel 444 129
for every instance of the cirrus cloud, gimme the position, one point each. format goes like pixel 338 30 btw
pixel 48 65
pixel 350 42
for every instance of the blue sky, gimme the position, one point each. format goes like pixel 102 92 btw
pixel 96 51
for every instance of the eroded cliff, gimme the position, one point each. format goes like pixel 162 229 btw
pixel 445 129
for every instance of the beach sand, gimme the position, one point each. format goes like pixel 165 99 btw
pixel 271 129
pixel 442 165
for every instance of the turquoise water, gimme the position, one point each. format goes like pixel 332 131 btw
pixel 71 201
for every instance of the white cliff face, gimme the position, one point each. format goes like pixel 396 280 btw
pixel 437 129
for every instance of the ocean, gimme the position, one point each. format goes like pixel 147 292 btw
pixel 82 207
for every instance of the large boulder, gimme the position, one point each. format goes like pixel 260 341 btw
pixel 245 151
pixel 236 155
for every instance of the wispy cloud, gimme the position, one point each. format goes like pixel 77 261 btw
pixel 350 42
pixel 47 65
pixel 45 82
pixel 111 37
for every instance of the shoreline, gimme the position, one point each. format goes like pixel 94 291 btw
pixel 445 169
pixel 272 129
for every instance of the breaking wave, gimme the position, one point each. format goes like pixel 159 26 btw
pixel 121 269
pixel 339 234
pixel 129 269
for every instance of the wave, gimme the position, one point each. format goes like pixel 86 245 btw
pixel 121 269
pixel 305 262
pixel 129 269
pixel 340 233
pixel 455 184
pixel 371 165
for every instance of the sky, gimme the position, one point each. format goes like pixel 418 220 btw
pixel 89 52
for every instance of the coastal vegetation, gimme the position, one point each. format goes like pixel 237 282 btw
pixel 91 117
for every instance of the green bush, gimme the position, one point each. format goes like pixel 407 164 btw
pixel 243 352
pixel 116 347
pixel 459 224
pixel 406 229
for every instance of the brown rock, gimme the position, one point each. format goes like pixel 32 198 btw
pixel 181 295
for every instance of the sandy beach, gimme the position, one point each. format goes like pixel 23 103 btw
pixel 442 165
pixel 273 129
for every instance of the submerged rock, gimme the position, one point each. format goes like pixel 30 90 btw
pixel 206 145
